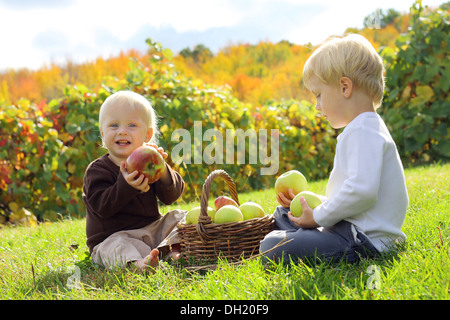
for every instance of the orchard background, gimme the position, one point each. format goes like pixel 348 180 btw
pixel 49 118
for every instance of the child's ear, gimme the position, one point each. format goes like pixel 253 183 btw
pixel 149 135
pixel 346 86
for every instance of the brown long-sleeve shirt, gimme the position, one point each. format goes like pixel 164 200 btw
pixel 113 205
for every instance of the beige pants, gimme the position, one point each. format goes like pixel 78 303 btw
pixel 131 245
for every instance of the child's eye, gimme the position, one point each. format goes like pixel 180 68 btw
pixel 114 125
pixel 133 125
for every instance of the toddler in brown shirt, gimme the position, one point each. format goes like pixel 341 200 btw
pixel 123 222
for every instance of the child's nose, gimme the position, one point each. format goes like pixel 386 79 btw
pixel 123 130
pixel 318 107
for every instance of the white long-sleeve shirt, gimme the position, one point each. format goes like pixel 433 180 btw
pixel 367 184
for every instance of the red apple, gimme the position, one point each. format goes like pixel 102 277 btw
pixel 148 161
pixel 223 201
pixel 294 180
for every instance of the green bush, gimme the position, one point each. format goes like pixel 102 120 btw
pixel 46 148
pixel 180 101
pixel 416 105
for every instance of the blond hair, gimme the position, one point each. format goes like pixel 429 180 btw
pixel 352 56
pixel 136 102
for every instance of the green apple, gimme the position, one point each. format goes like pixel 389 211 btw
pixel 228 213
pixel 252 210
pixel 292 179
pixel 194 213
pixel 311 198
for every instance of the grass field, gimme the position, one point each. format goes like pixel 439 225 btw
pixel 40 263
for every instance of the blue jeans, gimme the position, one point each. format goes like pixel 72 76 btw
pixel 340 242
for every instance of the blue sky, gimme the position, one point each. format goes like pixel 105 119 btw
pixel 39 32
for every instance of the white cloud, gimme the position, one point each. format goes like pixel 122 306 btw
pixel 79 22
pixel 334 19
pixel 84 29
pixel 337 16
pixel 124 18
pixel 195 15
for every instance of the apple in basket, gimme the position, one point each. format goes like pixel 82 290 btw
pixel 148 161
pixel 228 213
pixel 194 213
pixel 223 201
pixel 292 179
pixel 252 210
pixel 311 198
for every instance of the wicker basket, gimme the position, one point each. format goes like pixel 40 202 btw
pixel 206 241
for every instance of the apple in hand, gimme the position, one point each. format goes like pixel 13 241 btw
pixel 194 213
pixel 310 197
pixel 148 161
pixel 223 201
pixel 228 213
pixel 252 210
pixel 292 179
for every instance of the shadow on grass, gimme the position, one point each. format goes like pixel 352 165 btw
pixel 309 280
pixel 318 278
pixel 84 274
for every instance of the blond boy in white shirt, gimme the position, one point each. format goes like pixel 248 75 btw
pixel 366 196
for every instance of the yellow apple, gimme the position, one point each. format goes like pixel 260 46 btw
pixel 311 198
pixel 194 213
pixel 251 210
pixel 228 213
pixel 292 179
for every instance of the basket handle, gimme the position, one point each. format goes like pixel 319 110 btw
pixel 204 218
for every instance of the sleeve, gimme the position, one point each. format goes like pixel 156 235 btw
pixel 360 158
pixel 169 193
pixel 106 195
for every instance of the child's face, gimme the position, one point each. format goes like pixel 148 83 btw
pixel 329 101
pixel 123 130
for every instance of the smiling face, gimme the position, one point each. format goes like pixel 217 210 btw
pixel 123 130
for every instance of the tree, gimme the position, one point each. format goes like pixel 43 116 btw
pixel 416 102
pixel 379 19
pixel 199 55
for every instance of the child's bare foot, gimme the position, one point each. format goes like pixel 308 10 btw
pixel 150 262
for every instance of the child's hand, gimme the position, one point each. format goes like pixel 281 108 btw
pixel 140 183
pixel 285 201
pixel 160 150
pixel 306 220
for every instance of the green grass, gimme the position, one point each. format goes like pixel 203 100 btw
pixel 36 263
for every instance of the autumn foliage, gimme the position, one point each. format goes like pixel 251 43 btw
pixel 49 117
